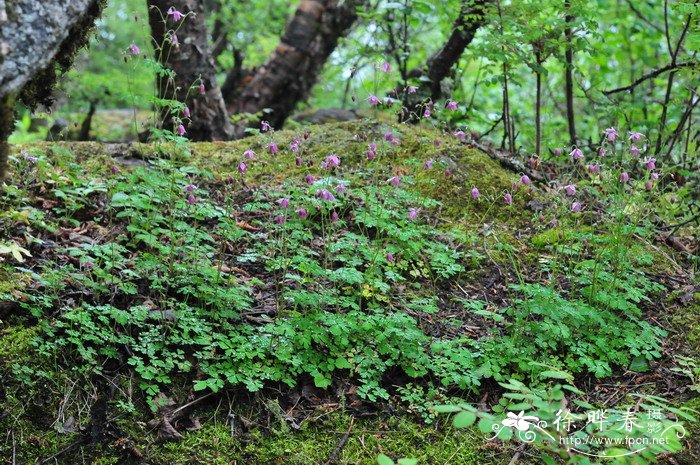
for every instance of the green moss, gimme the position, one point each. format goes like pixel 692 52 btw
pixel 686 321
pixel 16 344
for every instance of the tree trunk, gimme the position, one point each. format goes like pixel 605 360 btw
pixel 294 66
pixel 470 19
pixel 192 64
pixel 7 123
pixel 569 58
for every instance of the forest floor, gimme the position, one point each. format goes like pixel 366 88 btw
pixel 158 306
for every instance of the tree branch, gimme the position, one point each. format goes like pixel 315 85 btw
pixel 651 75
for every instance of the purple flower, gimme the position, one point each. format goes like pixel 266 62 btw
pixel 372 146
pixel 174 40
pixel 190 188
pixel 371 155
pixel 134 49
pixel 388 136
pixel 576 154
pixel 373 100
pixel 174 14
pixel 325 195
pixel 294 147
pixel 651 163
pixel 331 161
pixel 29 158
pixel 265 126
pixel 636 136
pixel 411 89
pixel 395 181
pixel 594 168
pixel 272 147
pixel 340 188
pixel 654 176
pixel 283 202
pixel 525 179
pixel 634 150
pixel 242 167
pixel 461 135
pixel 303 214
pixel 386 67
pixel 426 113
pixel 576 207
pixel 611 134
pixel 602 152
pixel 202 89
pixel 186 112
pixel 428 164
pixel 115 169
pixel 191 199
pixel 248 154
pixel 412 213
pixel 437 142
pixel 310 179
pixel 624 177
pixel 508 199
pixel 570 190
pixel 532 161
pixel 298 161
pixel 395 142
pixel 475 193
pixel 388 101
pixel 648 185
pixel 557 152
pixel 279 219
pixel 390 257
pixel 452 105
pixel 180 130
pixel 334 217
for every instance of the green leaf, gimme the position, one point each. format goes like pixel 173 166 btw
pixel 464 420
pixel 384 460
pixel 446 408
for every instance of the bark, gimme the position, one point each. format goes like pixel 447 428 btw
pixel 470 19
pixel 568 75
pixel 7 122
pixel 293 68
pixel 191 63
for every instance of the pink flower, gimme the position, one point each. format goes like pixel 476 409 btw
pixel 325 195
pixel 190 187
pixel 611 134
pixel 576 207
pixel 624 177
pixel 180 130
pixel 298 161
pixel 279 219
pixel 174 40
pixel 242 167
pixel 386 67
pixel 475 193
pixel 452 105
pixel 272 147
pixel 134 49
pixel 294 147
pixel 576 154
pixel 265 126
pixel 648 185
pixel 426 113
pixel 461 135
pixel 303 214
pixel 634 150
pixel 202 89
pixel 428 164
pixel 395 181
pixel 570 190
pixel 411 89
pixel 372 146
pixel 388 136
pixel 283 202
pixel 557 152
pixel 412 213
pixel 532 161
pixel 310 179
pixel 395 142
pixel 525 179
pixel 373 100
pixel 390 257
pixel 654 176
pixel 602 152
pixel 651 163
pixel 331 161
pixel 636 136
pixel 248 154
pixel 191 199
pixel 388 101
pixel 437 142
pixel 115 169
pixel 174 14
pixel 340 188
pixel 371 155
pixel 508 199
pixel 186 112
pixel 334 217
